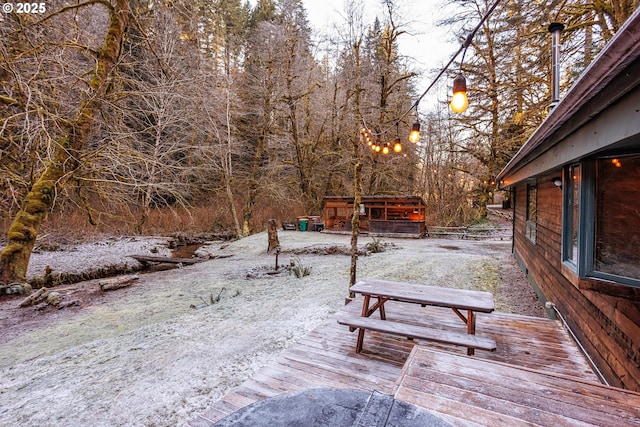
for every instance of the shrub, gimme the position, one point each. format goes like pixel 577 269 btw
pixel 298 269
pixel 376 246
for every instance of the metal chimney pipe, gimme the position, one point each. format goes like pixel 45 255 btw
pixel 555 28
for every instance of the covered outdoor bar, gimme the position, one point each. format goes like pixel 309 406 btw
pixel 402 216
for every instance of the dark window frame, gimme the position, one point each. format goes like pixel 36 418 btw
pixel 584 265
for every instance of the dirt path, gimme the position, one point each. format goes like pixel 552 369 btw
pixel 143 355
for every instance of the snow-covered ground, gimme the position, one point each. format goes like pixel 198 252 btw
pixel 90 259
pixel 144 356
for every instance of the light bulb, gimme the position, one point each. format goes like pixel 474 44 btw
pixel 414 135
pixel 459 102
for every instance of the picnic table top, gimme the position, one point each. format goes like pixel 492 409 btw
pixel 463 299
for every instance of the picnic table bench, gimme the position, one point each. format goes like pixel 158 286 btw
pixel 458 300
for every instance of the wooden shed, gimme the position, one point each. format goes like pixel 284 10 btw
pixel 575 187
pixel 402 216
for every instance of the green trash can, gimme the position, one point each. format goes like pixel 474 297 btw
pixel 303 224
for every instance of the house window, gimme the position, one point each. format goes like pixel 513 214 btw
pixel 573 180
pixel 601 219
pixel 532 212
pixel 617 221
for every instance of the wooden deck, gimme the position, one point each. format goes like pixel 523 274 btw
pixel 326 357
pixel 466 391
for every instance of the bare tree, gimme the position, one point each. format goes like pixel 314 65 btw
pixel 148 151
pixel 67 149
pixel 262 89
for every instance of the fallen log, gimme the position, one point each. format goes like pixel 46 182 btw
pixel 65 304
pixel 34 298
pixel 121 282
pixel 168 260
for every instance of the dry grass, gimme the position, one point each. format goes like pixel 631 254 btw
pixel 71 223
pixel 211 216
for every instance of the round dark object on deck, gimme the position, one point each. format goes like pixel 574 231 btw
pixel 331 407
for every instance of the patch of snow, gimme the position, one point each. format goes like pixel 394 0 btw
pixel 146 357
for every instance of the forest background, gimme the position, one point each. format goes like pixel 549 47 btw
pixel 152 117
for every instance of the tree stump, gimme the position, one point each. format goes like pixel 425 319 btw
pixel 272 233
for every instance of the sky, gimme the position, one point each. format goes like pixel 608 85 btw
pixel 429 47
pixel 424 40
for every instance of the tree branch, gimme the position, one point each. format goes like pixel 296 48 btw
pixel 7 100
pixel 66 8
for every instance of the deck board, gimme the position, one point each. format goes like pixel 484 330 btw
pixel 326 357
pixel 477 386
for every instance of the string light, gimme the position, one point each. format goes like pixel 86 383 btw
pixel 385 148
pixel 397 144
pixel 459 102
pixel 414 135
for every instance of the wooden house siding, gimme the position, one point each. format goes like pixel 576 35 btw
pixel 607 325
pixel 594 126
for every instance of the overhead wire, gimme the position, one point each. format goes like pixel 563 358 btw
pixel 463 47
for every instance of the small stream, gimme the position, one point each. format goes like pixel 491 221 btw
pixel 185 251
pixel 181 251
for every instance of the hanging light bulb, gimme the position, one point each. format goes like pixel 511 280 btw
pixel 414 135
pixel 385 148
pixel 459 101
pixel 397 145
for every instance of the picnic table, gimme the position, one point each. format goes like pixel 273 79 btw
pixel 458 300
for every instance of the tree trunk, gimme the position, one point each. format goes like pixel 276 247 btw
pixel 14 259
pixel 227 166
pixel 253 184
pixel 357 178
pixel 355 221
pixel 247 213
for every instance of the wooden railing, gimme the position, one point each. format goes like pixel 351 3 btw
pixel 465 232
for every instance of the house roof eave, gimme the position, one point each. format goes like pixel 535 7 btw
pixel 575 109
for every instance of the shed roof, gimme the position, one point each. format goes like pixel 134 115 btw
pixel 613 74
pixel 386 198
